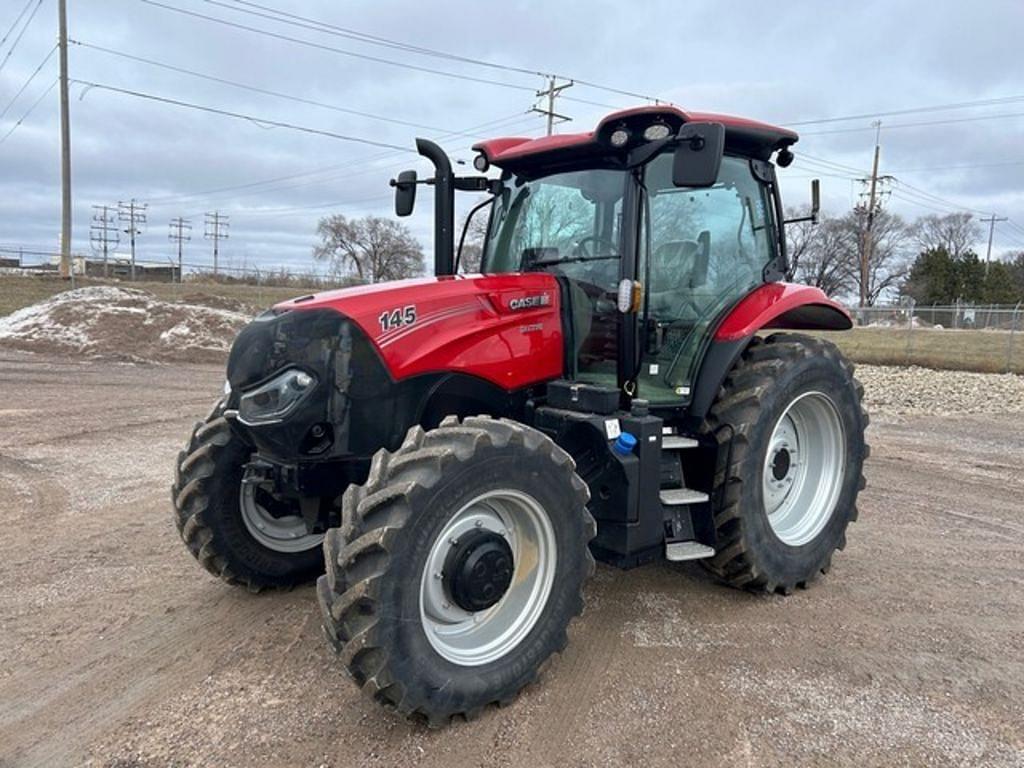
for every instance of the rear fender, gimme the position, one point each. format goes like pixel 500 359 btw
pixel 773 305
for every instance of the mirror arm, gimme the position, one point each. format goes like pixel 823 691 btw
pixel 815 205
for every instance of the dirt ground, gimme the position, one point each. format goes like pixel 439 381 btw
pixel 116 649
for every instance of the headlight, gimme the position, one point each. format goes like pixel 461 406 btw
pixel 619 137
pixel 274 400
pixel 656 132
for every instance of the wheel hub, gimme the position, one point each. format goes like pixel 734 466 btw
pixel 478 570
pixel 781 463
pixel 804 468
pixel 488 576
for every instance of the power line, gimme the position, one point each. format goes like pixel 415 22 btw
pixel 21 34
pixel 909 111
pixel 917 125
pixel 364 37
pixel 28 82
pixel 253 88
pixel 14 23
pixel 952 167
pixel 929 196
pixel 259 121
pixel 341 51
pixel 285 17
pixel 207 194
pixel 1011 237
pixel 30 110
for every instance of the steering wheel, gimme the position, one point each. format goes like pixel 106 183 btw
pixel 594 240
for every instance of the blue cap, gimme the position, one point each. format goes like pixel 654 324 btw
pixel 625 444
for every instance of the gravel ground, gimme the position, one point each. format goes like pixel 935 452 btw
pixel 118 651
pixel 891 390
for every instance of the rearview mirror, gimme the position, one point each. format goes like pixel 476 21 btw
pixel 405 193
pixel 698 156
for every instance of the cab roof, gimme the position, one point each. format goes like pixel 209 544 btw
pixel 742 136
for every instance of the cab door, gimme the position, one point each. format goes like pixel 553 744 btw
pixel 570 225
pixel 701 250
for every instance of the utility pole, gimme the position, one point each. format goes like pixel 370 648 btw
pixel 868 245
pixel 216 229
pixel 104 233
pixel 991 220
pixel 181 230
pixel 550 93
pixel 65 144
pixel 132 213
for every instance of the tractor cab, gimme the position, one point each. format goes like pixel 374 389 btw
pixel 655 225
pixel 692 253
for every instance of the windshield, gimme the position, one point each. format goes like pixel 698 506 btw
pixel 567 223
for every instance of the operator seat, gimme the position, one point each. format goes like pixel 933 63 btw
pixel 672 265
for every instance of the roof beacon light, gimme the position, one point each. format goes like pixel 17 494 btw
pixel 619 137
pixel 656 132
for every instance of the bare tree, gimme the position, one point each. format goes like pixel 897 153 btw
pixel 822 254
pixel 890 252
pixel 955 233
pixel 370 249
pixel 473 243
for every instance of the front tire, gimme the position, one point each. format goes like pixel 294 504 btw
pixel 457 568
pixel 217 515
pixel 790 423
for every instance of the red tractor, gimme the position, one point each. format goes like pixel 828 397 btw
pixel 458 449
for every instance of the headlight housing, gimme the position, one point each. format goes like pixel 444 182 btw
pixel 273 401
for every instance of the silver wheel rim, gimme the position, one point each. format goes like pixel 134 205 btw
pixel 281 534
pixel 471 639
pixel 804 468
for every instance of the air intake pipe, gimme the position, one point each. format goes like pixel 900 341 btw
pixel 444 206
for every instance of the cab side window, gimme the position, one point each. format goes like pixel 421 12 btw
pixel 707 249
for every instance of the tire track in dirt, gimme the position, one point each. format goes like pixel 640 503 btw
pixel 82 702
pixel 581 671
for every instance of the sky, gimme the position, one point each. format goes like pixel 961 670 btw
pixel 796 64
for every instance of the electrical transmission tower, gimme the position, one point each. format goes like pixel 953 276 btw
pixel 181 231
pixel 550 93
pixel 216 229
pixel 104 233
pixel 133 215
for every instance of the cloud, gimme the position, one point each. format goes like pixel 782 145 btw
pixel 797 62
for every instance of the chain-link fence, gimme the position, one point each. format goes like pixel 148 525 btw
pixel 986 337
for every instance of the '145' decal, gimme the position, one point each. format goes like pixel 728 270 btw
pixel 396 318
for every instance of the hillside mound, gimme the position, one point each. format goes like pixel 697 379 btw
pixel 123 324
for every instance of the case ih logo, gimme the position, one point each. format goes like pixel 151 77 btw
pixel 530 302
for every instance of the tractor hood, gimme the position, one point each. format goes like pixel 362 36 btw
pixel 504 328
pixel 363 363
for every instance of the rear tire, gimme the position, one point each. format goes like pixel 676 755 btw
pixel 387 604
pixel 790 425
pixel 207 496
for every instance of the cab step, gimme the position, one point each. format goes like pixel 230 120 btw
pixel 677 551
pixel 673 497
pixel 677 442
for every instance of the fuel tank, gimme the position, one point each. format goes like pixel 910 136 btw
pixel 505 329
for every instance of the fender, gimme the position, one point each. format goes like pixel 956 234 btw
pixel 773 305
pixel 783 305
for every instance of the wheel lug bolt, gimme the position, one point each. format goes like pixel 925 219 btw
pixel 479 523
pixel 437 575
